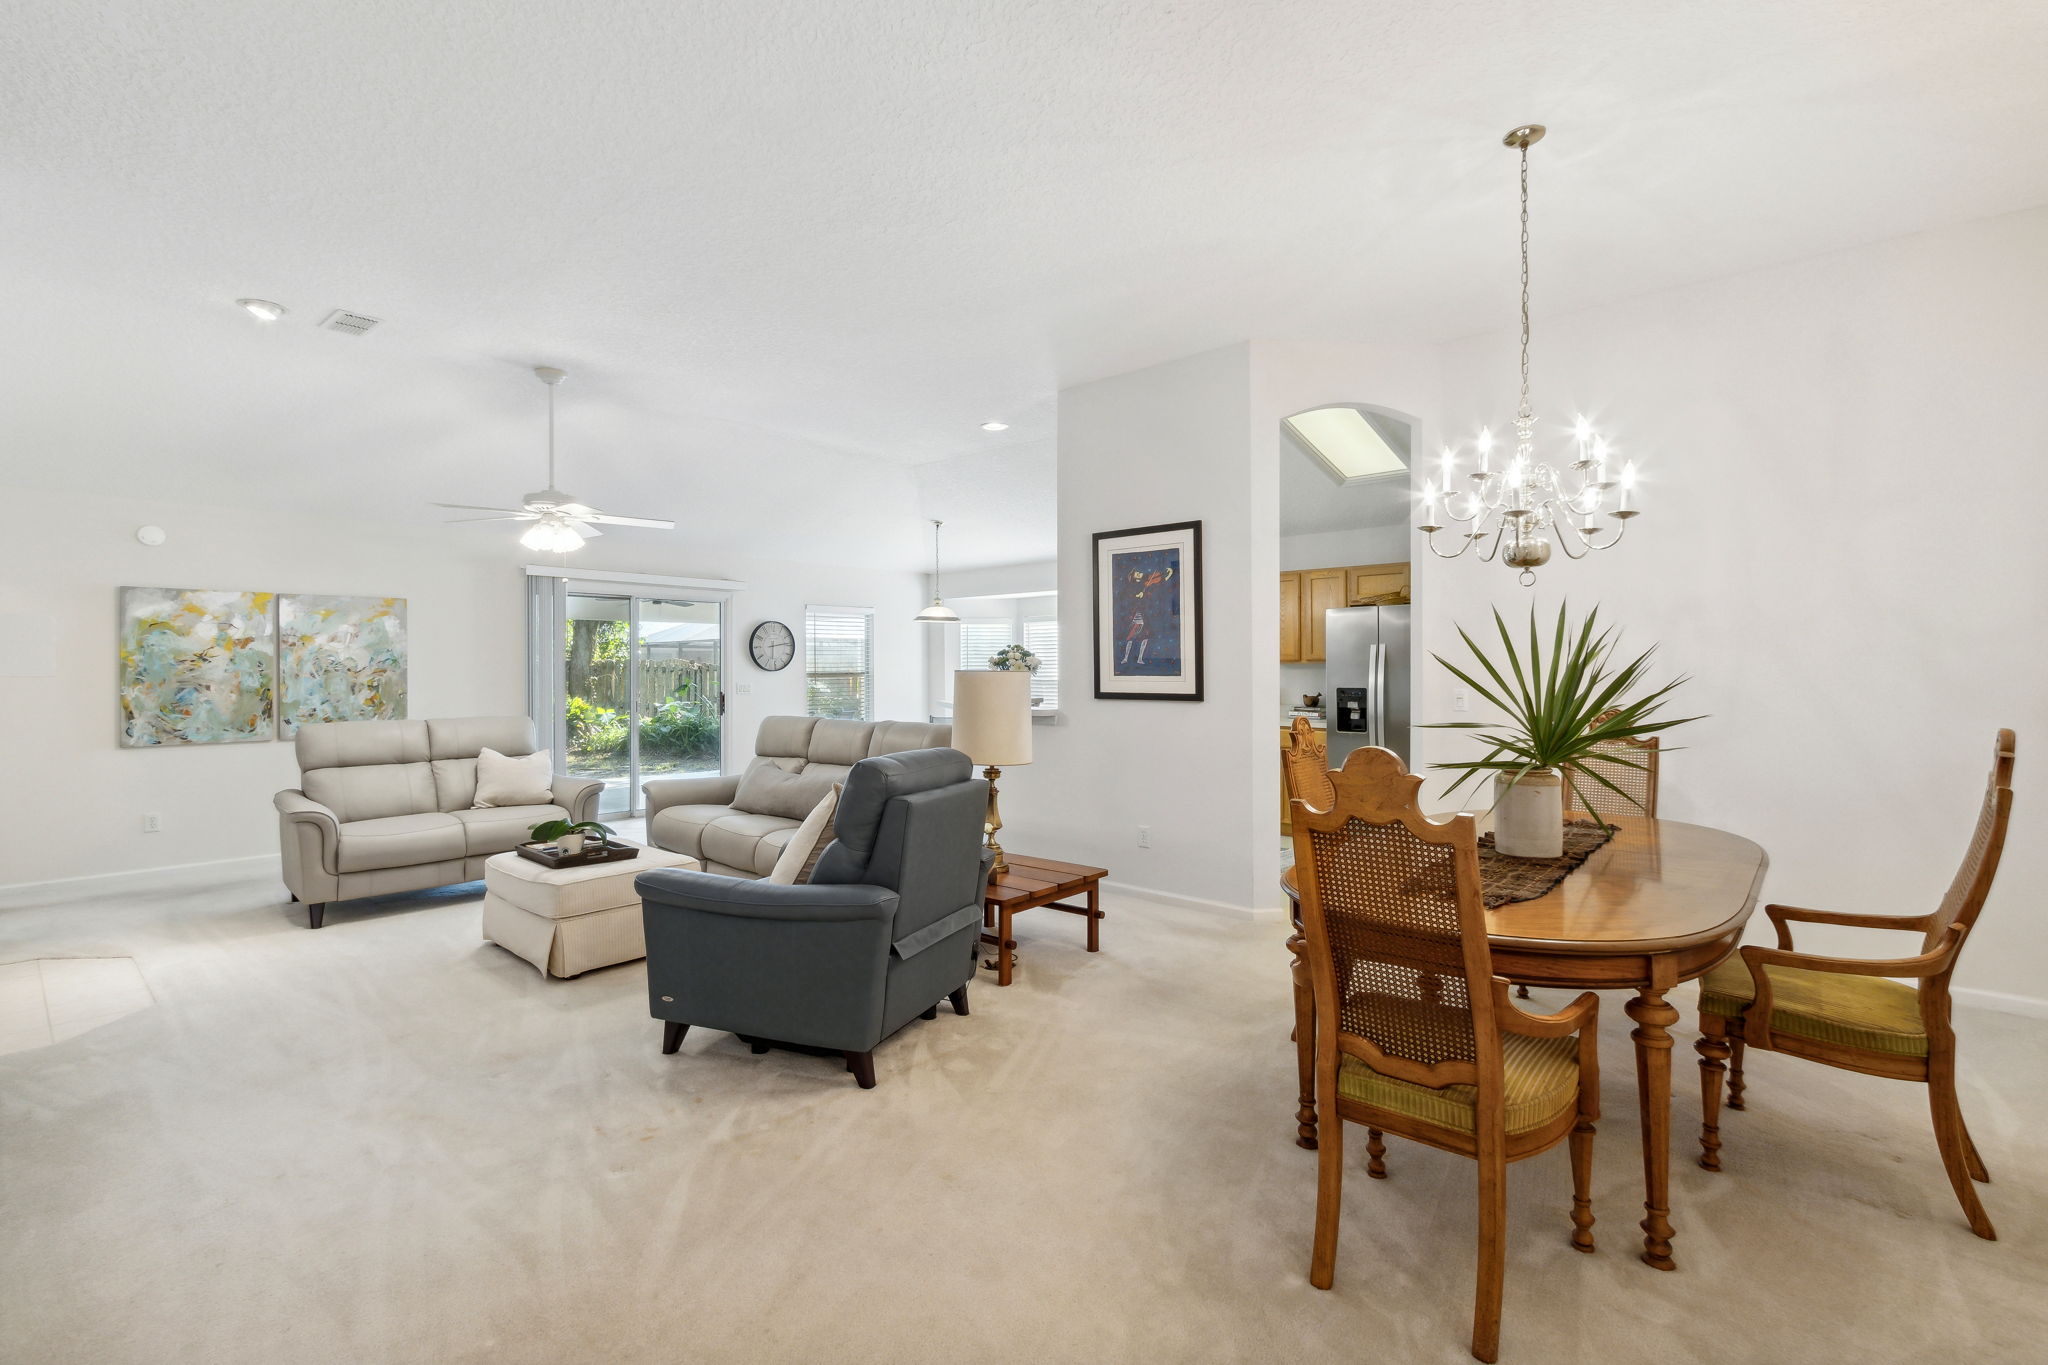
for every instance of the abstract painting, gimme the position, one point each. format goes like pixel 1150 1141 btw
pixel 197 667
pixel 341 658
pixel 1148 613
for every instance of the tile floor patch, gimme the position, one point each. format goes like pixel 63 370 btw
pixel 46 1000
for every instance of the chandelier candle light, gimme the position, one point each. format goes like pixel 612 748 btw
pixel 1519 509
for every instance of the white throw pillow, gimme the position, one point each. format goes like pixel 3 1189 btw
pixel 502 780
pixel 799 853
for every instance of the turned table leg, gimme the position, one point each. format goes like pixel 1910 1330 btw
pixel 1304 1046
pixel 1653 1017
pixel 1005 960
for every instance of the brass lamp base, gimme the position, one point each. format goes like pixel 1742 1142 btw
pixel 994 823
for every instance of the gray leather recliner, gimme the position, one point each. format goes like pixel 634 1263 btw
pixel 888 926
pixel 389 805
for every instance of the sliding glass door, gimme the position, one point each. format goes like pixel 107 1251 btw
pixel 632 686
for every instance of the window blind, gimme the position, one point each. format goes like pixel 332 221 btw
pixel 1042 637
pixel 839 661
pixel 979 640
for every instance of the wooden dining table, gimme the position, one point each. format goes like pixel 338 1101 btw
pixel 1660 903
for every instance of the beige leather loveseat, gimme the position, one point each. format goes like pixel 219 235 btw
pixel 738 825
pixel 387 805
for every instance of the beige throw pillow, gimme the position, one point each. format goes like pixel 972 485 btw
pixel 800 854
pixel 502 780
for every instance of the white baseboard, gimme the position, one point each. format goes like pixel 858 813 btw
pixel 176 876
pixel 1194 902
pixel 2028 1006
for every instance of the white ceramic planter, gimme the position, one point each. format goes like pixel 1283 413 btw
pixel 571 844
pixel 1528 816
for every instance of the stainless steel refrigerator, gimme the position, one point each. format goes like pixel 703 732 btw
pixel 1365 679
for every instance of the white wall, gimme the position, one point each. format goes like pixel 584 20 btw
pixel 1361 545
pixel 1195 438
pixel 1845 476
pixel 73 801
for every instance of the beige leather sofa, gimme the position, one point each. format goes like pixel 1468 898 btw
pixel 738 825
pixel 386 805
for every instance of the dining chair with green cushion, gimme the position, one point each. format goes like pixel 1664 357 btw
pixel 1414 1034
pixel 1856 1013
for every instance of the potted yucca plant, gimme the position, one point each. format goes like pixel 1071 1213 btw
pixel 1560 711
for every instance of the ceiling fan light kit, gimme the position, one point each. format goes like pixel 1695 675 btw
pixel 560 523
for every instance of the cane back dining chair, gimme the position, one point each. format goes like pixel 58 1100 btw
pixel 1852 1013
pixel 1629 763
pixel 1305 776
pixel 1415 1035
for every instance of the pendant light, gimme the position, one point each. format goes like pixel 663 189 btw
pixel 938 613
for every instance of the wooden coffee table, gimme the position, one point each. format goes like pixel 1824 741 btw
pixel 1031 884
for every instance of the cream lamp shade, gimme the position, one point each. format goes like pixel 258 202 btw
pixel 992 716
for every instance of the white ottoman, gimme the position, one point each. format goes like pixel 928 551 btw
pixel 570 921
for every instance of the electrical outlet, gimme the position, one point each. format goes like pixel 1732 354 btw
pixel 1144 836
pixel 1461 700
pixel 152 823
pixel 744 687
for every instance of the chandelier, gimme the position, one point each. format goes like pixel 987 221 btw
pixel 1515 512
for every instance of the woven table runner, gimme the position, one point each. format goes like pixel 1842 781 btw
pixel 1506 879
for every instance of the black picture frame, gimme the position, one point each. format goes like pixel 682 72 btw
pixel 1185 685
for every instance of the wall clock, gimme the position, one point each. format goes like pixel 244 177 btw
pixel 772 646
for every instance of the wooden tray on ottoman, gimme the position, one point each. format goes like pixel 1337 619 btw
pixel 547 856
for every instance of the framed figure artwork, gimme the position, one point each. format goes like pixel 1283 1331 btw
pixel 1148 613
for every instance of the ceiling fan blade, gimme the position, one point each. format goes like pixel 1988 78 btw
pixel 472 507
pixel 583 528
pixel 509 516
pixel 576 509
pixel 653 523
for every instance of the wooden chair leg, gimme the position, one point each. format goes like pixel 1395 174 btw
pixel 1493 1250
pixel 672 1035
pixel 1582 1184
pixel 862 1065
pixel 1522 992
pixel 1954 1141
pixel 1735 1084
pixel 316 914
pixel 1304 1052
pixel 1713 1049
pixel 959 999
pixel 1322 1262
pixel 1375 1151
pixel 1978 1172
pixel 931 1013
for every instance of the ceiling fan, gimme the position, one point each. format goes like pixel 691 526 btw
pixel 560 524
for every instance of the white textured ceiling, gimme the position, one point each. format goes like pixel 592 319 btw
pixel 789 249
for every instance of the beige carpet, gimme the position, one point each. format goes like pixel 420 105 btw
pixel 388 1141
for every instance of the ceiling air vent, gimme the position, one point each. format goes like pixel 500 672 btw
pixel 354 324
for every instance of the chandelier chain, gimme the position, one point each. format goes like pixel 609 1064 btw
pixel 1523 412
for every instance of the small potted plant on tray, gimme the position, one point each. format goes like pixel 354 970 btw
pixel 1563 716
pixel 570 837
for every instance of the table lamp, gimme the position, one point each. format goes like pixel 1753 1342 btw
pixel 992 726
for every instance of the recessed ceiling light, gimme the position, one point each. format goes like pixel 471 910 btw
pixel 995 426
pixel 263 309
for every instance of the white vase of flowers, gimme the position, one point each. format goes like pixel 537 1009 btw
pixel 1013 659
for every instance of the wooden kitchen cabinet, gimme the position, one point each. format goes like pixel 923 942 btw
pixel 1290 618
pixel 1305 594
pixel 1364 582
pixel 1321 591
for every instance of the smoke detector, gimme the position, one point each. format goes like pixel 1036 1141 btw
pixel 353 324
